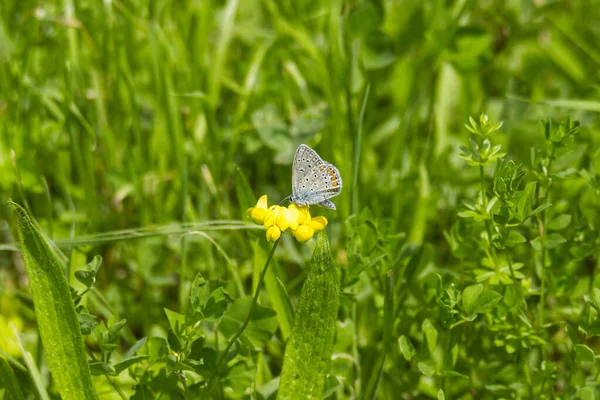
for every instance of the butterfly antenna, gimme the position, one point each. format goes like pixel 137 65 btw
pixel 284 200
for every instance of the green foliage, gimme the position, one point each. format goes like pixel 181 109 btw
pixel 9 381
pixel 466 238
pixel 308 352
pixel 55 312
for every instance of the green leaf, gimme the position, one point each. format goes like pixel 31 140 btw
pixel 8 381
pixel 486 301
pixel 176 321
pixel 426 369
pixel 261 327
pixel 208 301
pixel 586 393
pixel 87 322
pixel 308 352
pixel 128 363
pixel 204 359
pixel 441 395
pixel 470 295
pixel 583 353
pixel 559 223
pixel 514 238
pixel 216 305
pixel 98 368
pixel 431 335
pixel 87 275
pixel 554 240
pixel 157 349
pixel 525 202
pixel 136 346
pixel 406 348
pixel 540 209
pixel 537 244
pixel 55 312
pixel 455 374
pixel 240 376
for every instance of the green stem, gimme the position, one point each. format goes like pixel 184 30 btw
pixel 542 226
pixel 482 181
pixel 250 312
pixel 488 226
pixel 183 267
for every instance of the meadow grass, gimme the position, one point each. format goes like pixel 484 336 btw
pixel 141 131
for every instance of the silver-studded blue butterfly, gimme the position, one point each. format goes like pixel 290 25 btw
pixel 314 181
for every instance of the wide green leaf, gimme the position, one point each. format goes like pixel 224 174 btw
pixel 55 312
pixel 308 352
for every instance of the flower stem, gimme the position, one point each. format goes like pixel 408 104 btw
pixel 250 312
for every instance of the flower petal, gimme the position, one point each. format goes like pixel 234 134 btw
pixel 304 232
pixel 273 233
pixel 318 223
pixel 258 214
pixel 284 219
pixel 262 202
pixel 271 216
pixel 295 217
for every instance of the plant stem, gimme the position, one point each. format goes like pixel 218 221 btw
pixel 542 227
pixel 250 312
pixel 481 180
pixel 488 222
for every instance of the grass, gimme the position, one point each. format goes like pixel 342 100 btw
pixel 141 131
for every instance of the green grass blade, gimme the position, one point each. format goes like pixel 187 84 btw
pixel 388 326
pixel 55 312
pixel 9 381
pixel 308 353
pixel 34 372
pixel 357 147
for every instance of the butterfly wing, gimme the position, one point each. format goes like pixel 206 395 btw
pixel 305 160
pixel 321 183
pixel 327 204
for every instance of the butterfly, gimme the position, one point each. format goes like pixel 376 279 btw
pixel 314 181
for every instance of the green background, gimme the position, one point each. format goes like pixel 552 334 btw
pixel 124 117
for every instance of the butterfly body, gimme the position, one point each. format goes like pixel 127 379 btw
pixel 314 181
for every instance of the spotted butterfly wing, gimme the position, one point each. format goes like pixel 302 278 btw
pixel 304 160
pixel 314 181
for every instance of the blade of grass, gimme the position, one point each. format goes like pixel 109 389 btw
pixel 55 312
pixel 9 381
pixel 32 368
pixel 183 284
pixel 357 146
pixel 388 325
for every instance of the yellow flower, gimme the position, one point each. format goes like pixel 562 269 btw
pixel 302 212
pixel 259 212
pixel 304 232
pixel 273 233
pixel 293 219
pixel 318 223
pixel 294 216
